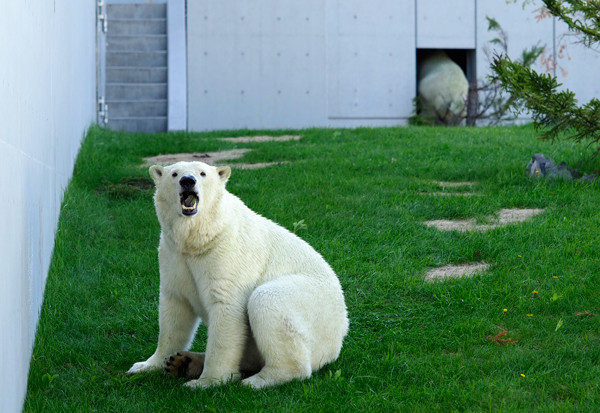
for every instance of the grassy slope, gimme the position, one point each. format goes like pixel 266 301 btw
pixel 412 345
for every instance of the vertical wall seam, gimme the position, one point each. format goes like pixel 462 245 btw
pixel 554 61
pixel 475 44
pixel 416 27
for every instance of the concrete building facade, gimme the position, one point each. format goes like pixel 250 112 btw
pixel 48 94
pixel 344 63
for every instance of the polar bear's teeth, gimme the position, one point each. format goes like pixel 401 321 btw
pixel 190 208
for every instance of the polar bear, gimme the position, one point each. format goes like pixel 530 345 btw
pixel 274 309
pixel 443 89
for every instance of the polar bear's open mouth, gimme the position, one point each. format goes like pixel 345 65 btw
pixel 189 203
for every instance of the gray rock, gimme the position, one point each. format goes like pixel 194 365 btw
pixel 588 177
pixel 541 166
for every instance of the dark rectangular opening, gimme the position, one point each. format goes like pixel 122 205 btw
pixel 465 58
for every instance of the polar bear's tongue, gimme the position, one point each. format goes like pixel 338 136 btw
pixel 190 201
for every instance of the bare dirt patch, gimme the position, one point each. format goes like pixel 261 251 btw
pixel 445 184
pixel 505 217
pixel 509 216
pixel 207 157
pixel 449 193
pixel 259 165
pixel 252 139
pixel 456 271
pixel 211 158
pixel 127 188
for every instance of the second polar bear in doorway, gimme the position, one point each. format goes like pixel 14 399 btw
pixel 442 89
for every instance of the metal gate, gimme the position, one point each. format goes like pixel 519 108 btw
pixel 101 27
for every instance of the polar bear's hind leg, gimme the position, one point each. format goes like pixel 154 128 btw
pixel 285 360
pixel 285 322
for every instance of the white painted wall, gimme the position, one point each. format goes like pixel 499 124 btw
pixel 446 24
pixel 273 64
pixel 47 95
pixel 578 68
pixel 343 63
pixel 253 64
pixel 177 65
pixel 370 62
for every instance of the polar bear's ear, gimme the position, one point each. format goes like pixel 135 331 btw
pixel 156 172
pixel 224 173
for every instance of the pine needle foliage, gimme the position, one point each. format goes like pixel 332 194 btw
pixel 582 17
pixel 556 112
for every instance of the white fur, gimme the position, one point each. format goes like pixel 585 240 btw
pixel 267 298
pixel 443 89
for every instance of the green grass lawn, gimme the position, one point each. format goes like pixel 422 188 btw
pixel 363 195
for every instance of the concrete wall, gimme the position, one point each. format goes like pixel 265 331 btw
pixel 177 65
pixel 273 64
pixel 578 67
pixel 257 63
pixel 446 24
pixel 298 64
pixel 370 62
pixel 47 101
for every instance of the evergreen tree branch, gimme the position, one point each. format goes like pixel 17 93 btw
pixel 582 17
pixel 555 112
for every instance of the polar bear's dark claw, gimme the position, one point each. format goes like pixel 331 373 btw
pixel 185 364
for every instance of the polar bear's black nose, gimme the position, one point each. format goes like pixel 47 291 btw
pixel 187 182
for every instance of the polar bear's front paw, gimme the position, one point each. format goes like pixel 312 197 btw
pixel 201 383
pixel 256 382
pixel 206 382
pixel 142 367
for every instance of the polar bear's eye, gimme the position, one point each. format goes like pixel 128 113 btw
pixel 174 174
pixel 202 174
